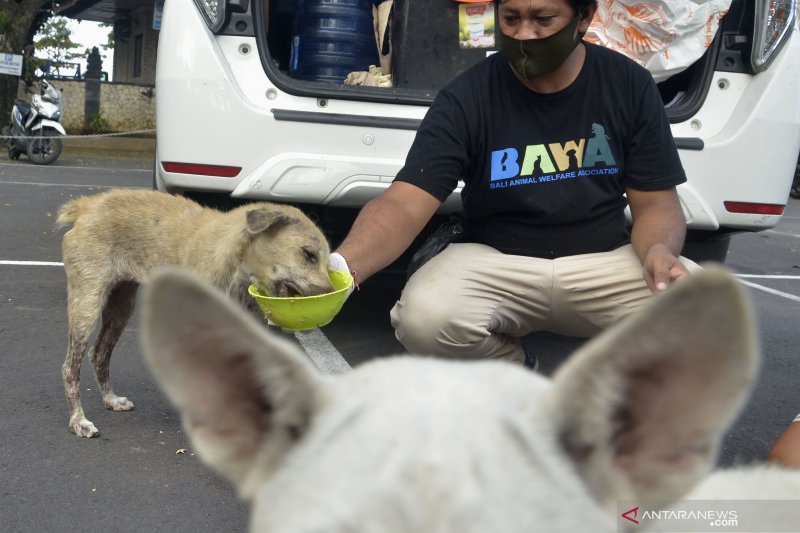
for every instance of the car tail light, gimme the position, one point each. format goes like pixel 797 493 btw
pixel 774 21
pixel 213 12
pixel 749 208
pixel 219 171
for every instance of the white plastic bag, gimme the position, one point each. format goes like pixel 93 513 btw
pixel 665 36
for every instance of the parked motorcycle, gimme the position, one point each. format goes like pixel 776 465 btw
pixel 36 127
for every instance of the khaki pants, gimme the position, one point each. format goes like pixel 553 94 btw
pixel 471 301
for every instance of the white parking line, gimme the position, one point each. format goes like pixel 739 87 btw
pixel 766 276
pixel 322 352
pixel 772 291
pixel 31 263
pixel 72 185
pixel 61 168
pixel 784 233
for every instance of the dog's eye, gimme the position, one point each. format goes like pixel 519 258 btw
pixel 310 256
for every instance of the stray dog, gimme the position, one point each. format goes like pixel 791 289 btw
pixel 118 237
pixel 409 444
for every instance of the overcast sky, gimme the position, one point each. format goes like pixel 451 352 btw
pixel 90 34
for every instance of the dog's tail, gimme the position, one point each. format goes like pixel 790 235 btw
pixel 71 211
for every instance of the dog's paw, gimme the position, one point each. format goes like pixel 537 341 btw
pixel 84 428
pixel 118 403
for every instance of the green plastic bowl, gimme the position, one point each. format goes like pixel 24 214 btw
pixel 298 313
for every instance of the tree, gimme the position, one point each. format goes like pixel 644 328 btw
pixel 55 45
pixel 19 22
pixel 109 44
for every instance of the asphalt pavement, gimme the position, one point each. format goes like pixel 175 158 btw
pixel 141 473
pixel 132 477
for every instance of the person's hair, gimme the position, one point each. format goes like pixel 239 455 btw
pixel 577 5
pixel 580 4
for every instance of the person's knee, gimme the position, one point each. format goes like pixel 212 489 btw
pixel 424 326
pixel 440 331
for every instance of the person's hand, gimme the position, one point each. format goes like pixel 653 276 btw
pixel 786 450
pixel 337 263
pixel 661 267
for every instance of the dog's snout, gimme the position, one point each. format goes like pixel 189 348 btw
pixel 288 288
pixel 320 289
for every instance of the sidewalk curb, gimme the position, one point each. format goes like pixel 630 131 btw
pixel 122 146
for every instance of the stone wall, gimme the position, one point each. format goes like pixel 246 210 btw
pixel 124 106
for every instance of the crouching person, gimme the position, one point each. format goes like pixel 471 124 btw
pixel 553 138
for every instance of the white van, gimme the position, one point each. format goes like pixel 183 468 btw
pixel 238 119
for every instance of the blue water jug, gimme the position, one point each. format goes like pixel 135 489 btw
pixel 332 38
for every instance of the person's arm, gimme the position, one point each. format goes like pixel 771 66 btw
pixel 786 450
pixel 386 227
pixel 437 159
pixel 659 229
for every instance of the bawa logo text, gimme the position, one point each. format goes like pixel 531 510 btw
pixel 570 155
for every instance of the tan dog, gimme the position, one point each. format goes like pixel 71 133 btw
pixel 632 420
pixel 119 236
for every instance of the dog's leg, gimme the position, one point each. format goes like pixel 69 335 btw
pixel 116 313
pixel 81 316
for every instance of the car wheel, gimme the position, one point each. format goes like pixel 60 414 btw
pixel 795 190
pixel 702 246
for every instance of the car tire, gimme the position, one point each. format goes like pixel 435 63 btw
pixel 704 246
pixel 794 192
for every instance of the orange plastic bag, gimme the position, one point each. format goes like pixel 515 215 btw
pixel 665 36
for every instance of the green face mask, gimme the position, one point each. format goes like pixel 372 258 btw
pixel 534 57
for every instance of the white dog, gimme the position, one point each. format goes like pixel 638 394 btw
pixel 410 444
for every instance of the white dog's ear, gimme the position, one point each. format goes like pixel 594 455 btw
pixel 245 396
pixel 644 405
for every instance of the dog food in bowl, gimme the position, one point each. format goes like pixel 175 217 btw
pixel 298 313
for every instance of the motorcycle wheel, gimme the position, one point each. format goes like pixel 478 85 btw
pixel 45 148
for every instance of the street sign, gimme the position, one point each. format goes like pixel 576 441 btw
pixel 11 64
pixel 158 9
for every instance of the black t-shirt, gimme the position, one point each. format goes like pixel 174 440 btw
pixel 545 174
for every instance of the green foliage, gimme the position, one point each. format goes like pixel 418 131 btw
pixel 55 40
pixel 19 21
pixel 98 124
pixel 109 44
pixel 29 66
pixel 5 23
pixel 40 18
